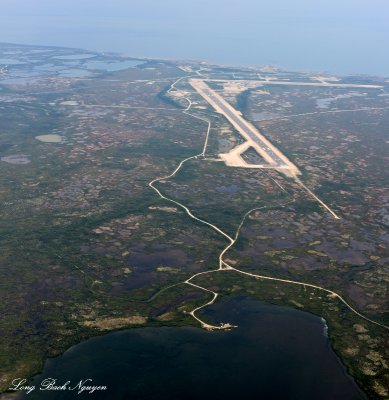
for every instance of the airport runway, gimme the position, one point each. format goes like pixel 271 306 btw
pixel 263 146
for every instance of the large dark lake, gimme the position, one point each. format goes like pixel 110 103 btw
pixel 276 353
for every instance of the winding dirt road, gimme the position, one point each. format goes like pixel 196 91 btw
pixel 223 265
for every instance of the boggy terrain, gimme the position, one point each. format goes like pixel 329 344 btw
pixel 88 246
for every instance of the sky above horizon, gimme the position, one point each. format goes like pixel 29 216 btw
pixel 348 35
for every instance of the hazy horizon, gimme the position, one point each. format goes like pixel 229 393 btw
pixel 322 36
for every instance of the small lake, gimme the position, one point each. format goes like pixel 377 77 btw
pixel 75 57
pixel 111 66
pixel 11 61
pixel 74 73
pixel 276 353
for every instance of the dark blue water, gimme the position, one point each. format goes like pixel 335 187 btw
pixel 344 37
pixel 276 353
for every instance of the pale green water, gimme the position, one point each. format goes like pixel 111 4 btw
pixel 348 36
